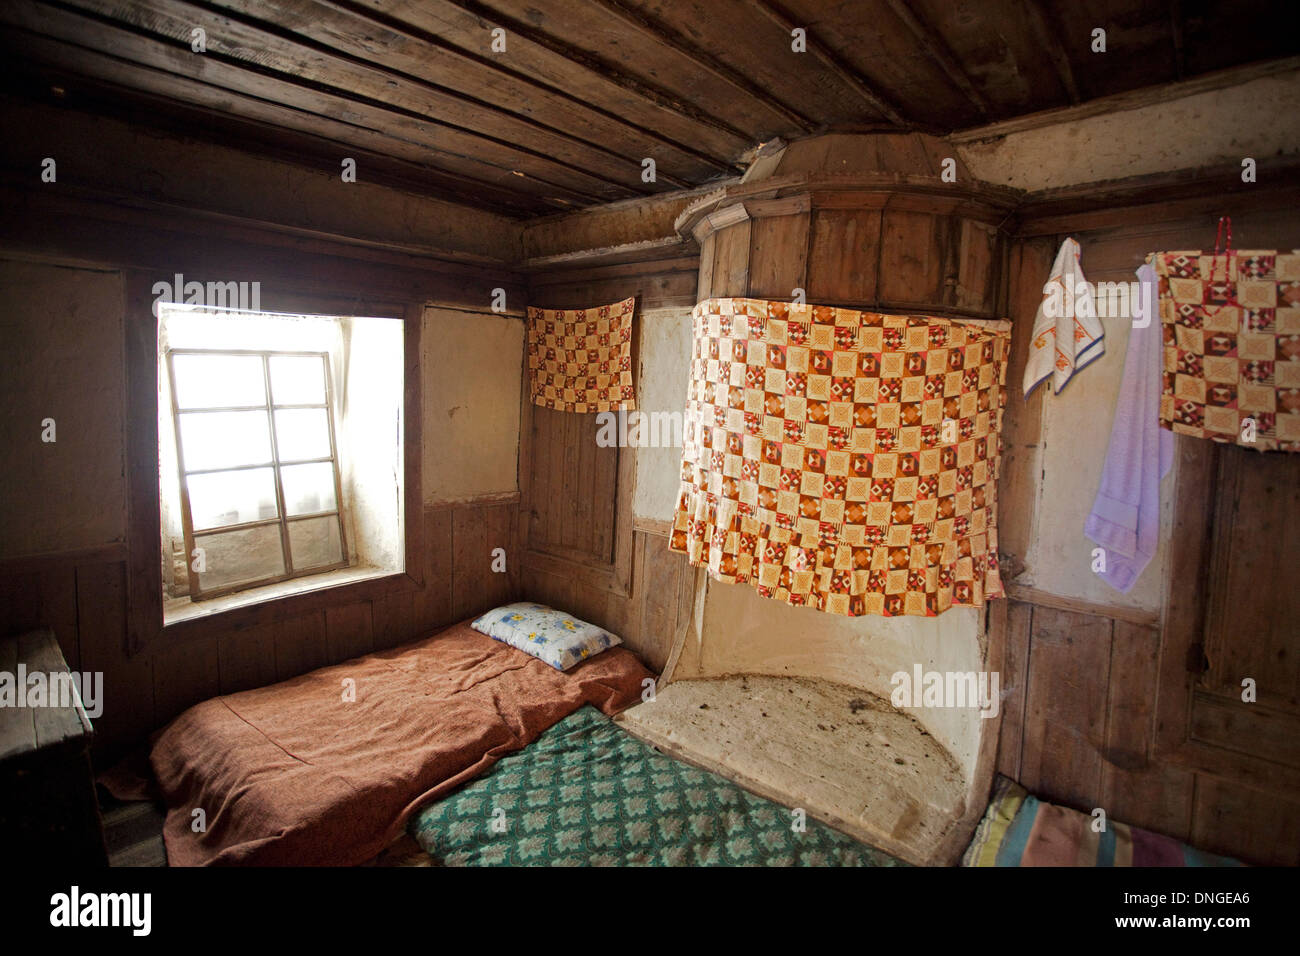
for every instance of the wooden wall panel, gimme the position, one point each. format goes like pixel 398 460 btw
pixel 128 681
pixel 348 631
pixel 86 603
pixel 392 618
pixel 1255 825
pixel 977 267
pixel 1078 728
pixel 1065 705
pixel 1135 787
pixel 704 279
pixel 1015 677
pixel 300 645
pixel 912 257
pixel 778 256
pixel 246 658
pixel 731 260
pixel 843 239
pixel 183 674
pixel 476 533
pixel 573 484
pixel 432 604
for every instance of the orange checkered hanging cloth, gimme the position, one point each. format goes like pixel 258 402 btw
pixel 844 460
pixel 1231 324
pixel 580 360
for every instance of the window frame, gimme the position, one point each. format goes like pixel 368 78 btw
pixel 282 519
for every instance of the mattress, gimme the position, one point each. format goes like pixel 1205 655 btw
pixel 587 792
pixel 298 774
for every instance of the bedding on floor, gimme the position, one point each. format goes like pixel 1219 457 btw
pixel 1018 829
pixel 293 774
pixel 587 792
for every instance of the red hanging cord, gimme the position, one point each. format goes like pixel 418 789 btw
pixel 1227 258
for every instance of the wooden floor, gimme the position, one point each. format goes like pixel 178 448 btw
pixel 845 756
pixel 133 832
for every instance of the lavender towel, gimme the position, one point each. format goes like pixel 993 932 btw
pixel 1125 518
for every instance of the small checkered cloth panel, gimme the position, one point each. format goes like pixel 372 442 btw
pixel 1231 325
pixel 580 360
pixel 844 460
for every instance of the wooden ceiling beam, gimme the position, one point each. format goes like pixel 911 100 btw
pixel 602 68
pixel 666 36
pixel 1049 35
pixel 937 47
pixel 424 37
pixel 833 62
pixel 285 57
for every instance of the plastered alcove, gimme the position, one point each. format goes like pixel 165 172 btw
pixel 793 702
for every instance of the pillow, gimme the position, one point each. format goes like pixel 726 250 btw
pixel 1018 829
pixel 559 639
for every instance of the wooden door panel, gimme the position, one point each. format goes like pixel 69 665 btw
pixel 1253 612
pixel 573 488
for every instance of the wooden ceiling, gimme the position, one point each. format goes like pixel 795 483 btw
pixel 585 90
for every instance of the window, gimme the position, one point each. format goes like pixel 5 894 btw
pixel 281 460
pixel 257 459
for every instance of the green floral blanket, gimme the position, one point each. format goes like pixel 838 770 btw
pixel 589 793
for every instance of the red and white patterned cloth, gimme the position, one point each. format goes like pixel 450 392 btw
pixel 1231 326
pixel 844 460
pixel 580 360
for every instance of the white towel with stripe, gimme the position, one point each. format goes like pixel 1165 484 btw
pixel 1067 333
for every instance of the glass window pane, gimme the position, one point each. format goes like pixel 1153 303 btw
pixel 232 497
pixel 308 489
pixel 302 433
pixel 297 380
pixel 219 381
pixel 236 557
pixel 315 543
pixel 224 439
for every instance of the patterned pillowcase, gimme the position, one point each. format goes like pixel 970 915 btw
pixel 559 639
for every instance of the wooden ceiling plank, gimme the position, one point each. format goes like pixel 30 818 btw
pixel 425 60
pixel 69 28
pixel 1049 35
pixel 469 32
pixel 121 88
pixel 570 101
pixel 1176 33
pixel 263 49
pixel 601 68
pixel 937 47
pixel 842 69
pixel 661 33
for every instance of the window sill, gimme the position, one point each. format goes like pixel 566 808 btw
pixel 177 610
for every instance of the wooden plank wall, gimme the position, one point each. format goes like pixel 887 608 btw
pixel 1078 728
pixel 576 527
pixel 1079 722
pixel 84 599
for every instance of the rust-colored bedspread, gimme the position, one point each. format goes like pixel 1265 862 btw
pixel 292 774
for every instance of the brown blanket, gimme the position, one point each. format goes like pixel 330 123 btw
pixel 293 774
